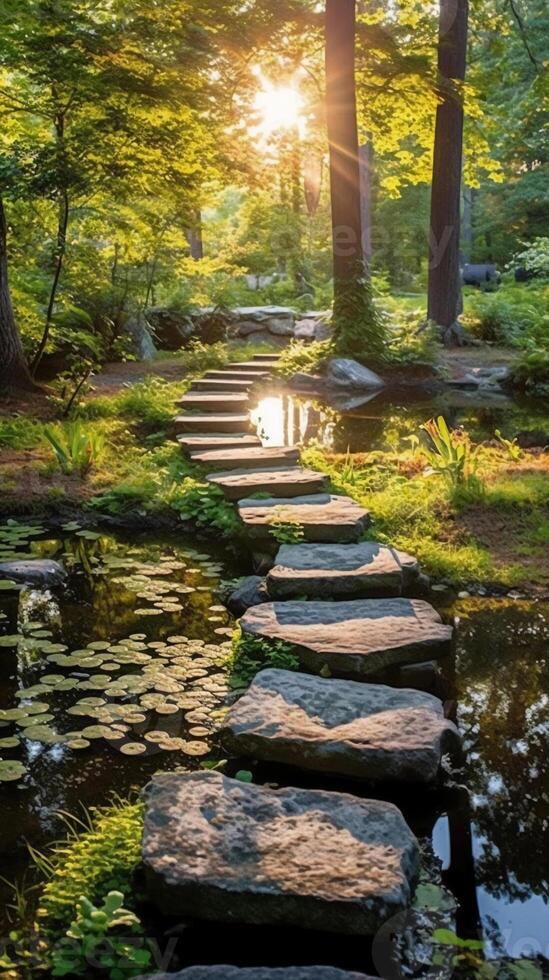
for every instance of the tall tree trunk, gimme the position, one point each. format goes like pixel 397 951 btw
pixel 358 330
pixel 366 165
pixel 467 224
pixel 60 251
pixel 194 238
pixel 14 372
pixel 445 301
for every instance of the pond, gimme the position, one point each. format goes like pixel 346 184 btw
pixel 130 657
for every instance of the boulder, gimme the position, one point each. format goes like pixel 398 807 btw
pixel 219 849
pixel 252 320
pixel 344 728
pixel 250 592
pixel 171 328
pixel 323 517
pixel 42 572
pixel 223 972
pixel 342 372
pixel 305 330
pixel 141 334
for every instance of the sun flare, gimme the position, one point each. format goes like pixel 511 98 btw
pixel 278 107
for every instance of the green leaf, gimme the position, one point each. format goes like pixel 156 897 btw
pixel 244 775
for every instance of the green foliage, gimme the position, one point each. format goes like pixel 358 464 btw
pixel 76 450
pixel 308 358
pixel 515 315
pixel 20 432
pixel 360 331
pixel 511 447
pixel 535 257
pixel 92 938
pixel 452 455
pixel 410 340
pixel 99 855
pixel 285 530
pixel 252 654
pixel 202 504
pixel 531 371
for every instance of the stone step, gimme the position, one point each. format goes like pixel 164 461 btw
pixel 322 517
pixel 215 402
pixel 227 851
pixel 224 972
pixel 251 367
pixel 229 374
pixel 350 571
pixel 269 358
pixel 216 384
pixel 346 729
pixel 246 458
pixel 290 481
pixel 191 444
pixel 357 638
pixel 211 422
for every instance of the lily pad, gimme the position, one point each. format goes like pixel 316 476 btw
pixel 133 748
pixel 10 770
pixel 10 742
pixel 42 733
pixel 78 743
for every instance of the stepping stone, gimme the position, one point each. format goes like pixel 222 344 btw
pixel 223 972
pixel 360 731
pixel 219 849
pixel 272 358
pixel 287 482
pixel 251 367
pixel 358 638
pixel 246 458
pixel 217 440
pixel 214 402
pixel 229 374
pixel 341 571
pixel 323 517
pixel 225 422
pixel 216 385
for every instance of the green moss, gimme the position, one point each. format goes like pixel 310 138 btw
pixel 94 860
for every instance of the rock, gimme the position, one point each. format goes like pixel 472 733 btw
pixel 310 382
pixel 281 328
pixel 172 329
pixel 357 638
pixel 216 440
pixel 305 330
pixel 246 327
pixel 246 458
pixel 223 972
pixel 219 849
pixel 533 439
pixel 342 372
pixel 205 401
pixel 360 731
pixel 216 385
pixel 289 481
pixel 321 517
pixel 141 334
pixel 346 570
pixel 42 572
pixel 209 423
pixel 250 592
pixel 252 320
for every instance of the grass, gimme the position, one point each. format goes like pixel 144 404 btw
pixel 456 541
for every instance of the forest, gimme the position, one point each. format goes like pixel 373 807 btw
pixel 274 489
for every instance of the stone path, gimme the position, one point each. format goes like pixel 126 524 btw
pixel 220 849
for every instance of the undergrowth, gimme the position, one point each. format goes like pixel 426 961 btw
pixel 251 654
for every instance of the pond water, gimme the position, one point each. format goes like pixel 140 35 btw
pixel 129 658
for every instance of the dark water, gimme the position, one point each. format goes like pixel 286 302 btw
pixel 385 421
pixel 484 835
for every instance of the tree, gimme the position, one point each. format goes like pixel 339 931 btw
pixel 14 371
pixel 357 328
pixel 444 291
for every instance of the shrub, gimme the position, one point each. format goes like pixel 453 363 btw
pixel 299 356
pixel 20 432
pixel 451 454
pixel 252 654
pixel 76 451
pixel 532 370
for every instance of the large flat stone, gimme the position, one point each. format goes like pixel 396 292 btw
pixel 247 458
pixel 323 517
pixel 289 481
pixel 217 384
pixel 214 402
pixel 357 638
pixel 268 358
pixel 223 972
pixel 231 373
pixel 223 850
pixel 363 731
pixel 217 440
pixel 252 367
pixel 348 571
pixel 212 422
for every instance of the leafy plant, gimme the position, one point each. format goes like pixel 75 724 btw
pixel 75 449
pixel 285 530
pixel 532 369
pixel 452 456
pixel 308 358
pixel 252 654
pixel 203 504
pixel 511 446
pixel 91 940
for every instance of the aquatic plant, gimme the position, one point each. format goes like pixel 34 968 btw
pixel 75 449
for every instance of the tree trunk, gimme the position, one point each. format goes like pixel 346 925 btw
pixel 194 238
pixel 445 302
pixel 358 329
pixel 365 163
pixel 343 139
pixel 14 372
pixel 58 267
pixel 467 224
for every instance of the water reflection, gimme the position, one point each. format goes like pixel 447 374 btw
pixel 383 421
